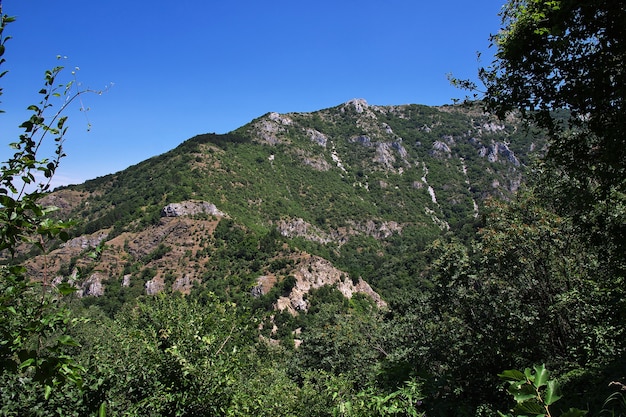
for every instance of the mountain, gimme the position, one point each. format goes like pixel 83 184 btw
pixel 357 190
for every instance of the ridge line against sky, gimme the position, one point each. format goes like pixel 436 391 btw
pixel 177 69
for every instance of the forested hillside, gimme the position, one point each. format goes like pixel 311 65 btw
pixel 359 260
pixel 364 187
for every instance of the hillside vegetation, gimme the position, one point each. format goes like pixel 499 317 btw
pixel 366 187
pixel 360 260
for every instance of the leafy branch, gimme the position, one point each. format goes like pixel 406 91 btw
pixel 534 393
pixel 33 325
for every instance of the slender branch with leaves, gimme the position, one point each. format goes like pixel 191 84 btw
pixel 33 324
pixel 534 393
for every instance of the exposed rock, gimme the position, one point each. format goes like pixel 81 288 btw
pixel 257 290
pixel 362 139
pixel 439 147
pixel 359 104
pixel 492 127
pixel 449 139
pixel 126 280
pixel 92 286
pixel 154 286
pixel 433 197
pixel 384 155
pixel 86 241
pixel 269 128
pixel 317 137
pixel 277 117
pixel 183 284
pixel 264 285
pixel 317 162
pixel 335 157
pixel 190 208
pixel 314 272
pixel 504 150
pixel 300 228
pixel 498 149
pixel 401 150
pixel 384 150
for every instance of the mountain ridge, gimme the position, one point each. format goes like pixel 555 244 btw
pixel 351 184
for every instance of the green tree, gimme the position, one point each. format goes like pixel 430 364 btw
pixel 561 64
pixel 34 326
pixel 566 55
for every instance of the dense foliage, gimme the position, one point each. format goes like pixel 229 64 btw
pixel 535 282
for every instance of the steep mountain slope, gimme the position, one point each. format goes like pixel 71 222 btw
pixel 365 187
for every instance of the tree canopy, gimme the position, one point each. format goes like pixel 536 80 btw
pixel 562 63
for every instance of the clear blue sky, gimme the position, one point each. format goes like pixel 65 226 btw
pixel 186 67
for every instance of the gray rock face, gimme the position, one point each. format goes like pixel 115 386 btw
pixel 182 284
pixel 86 241
pixel 314 272
pixel 154 287
pixel 497 150
pixel 190 208
pixel 92 286
pixel 441 147
pixel 359 104
pixel 300 228
pixel 317 137
pixel 362 139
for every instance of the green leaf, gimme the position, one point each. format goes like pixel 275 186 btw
pixel 64 236
pixel 574 412
pixel 102 410
pixel 65 289
pixel 67 340
pixel 552 394
pixel 541 375
pixel 523 392
pixel 47 391
pixel 28 362
pixel 528 373
pixel 531 408
pixel 512 375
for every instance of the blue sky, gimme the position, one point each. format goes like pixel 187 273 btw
pixel 175 69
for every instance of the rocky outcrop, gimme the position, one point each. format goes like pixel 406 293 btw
pixel 314 272
pixel 154 286
pixel 270 128
pixel 300 228
pixel 317 137
pixel 384 155
pixel 191 208
pixel 359 104
pixel 499 150
pixel 86 241
pixel 183 284
pixel 92 286
pixel 440 148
